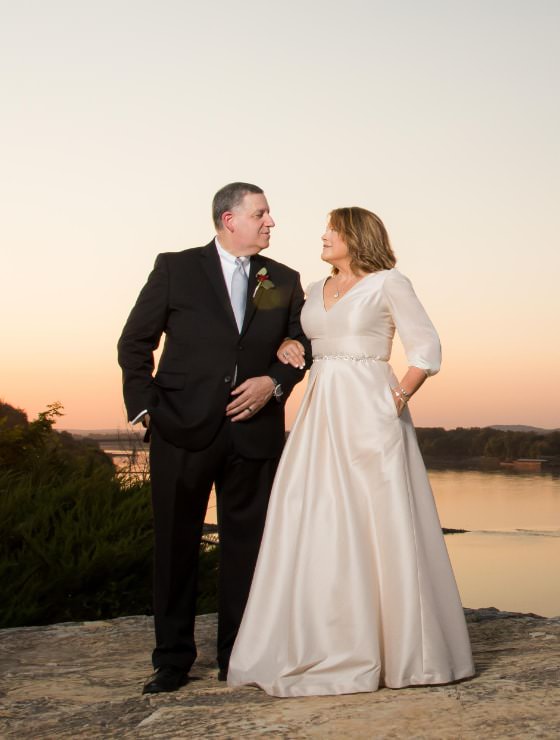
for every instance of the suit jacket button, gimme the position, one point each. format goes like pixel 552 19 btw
pixel 227 379
pixel 240 346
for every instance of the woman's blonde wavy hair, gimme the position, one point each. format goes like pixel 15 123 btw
pixel 366 238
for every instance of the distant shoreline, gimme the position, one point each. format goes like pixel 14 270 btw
pixel 484 464
pixel 128 431
pixel 127 447
pixel 524 447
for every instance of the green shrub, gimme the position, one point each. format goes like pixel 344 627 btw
pixel 75 535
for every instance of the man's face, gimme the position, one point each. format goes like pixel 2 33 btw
pixel 250 224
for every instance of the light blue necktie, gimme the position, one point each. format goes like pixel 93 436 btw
pixel 239 290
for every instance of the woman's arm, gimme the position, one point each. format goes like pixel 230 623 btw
pixel 417 333
pixel 403 392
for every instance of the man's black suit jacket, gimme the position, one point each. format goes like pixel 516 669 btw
pixel 186 299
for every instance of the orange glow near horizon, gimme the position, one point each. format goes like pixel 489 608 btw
pixel 85 378
pixel 92 399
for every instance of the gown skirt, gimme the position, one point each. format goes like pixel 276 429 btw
pixel 353 588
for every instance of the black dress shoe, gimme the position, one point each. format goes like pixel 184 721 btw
pixel 222 674
pixel 166 678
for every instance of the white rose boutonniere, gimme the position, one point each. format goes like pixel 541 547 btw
pixel 263 280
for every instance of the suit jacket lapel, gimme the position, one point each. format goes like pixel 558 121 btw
pixel 252 303
pixel 213 269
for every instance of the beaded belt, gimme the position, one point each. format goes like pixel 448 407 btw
pixel 356 358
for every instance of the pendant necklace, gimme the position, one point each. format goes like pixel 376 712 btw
pixel 336 294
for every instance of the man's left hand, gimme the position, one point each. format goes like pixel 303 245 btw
pixel 250 397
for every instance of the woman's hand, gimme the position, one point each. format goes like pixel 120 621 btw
pixel 291 352
pixel 399 399
pixel 403 392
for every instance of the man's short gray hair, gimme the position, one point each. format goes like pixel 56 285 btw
pixel 230 196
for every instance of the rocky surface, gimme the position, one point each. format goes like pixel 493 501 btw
pixel 83 680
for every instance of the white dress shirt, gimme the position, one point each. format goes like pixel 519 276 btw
pixel 227 260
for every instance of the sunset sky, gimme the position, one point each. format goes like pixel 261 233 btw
pixel 121 118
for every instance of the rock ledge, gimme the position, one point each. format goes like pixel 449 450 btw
pixel 84 680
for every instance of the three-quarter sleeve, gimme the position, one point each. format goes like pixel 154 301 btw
pixel 418 335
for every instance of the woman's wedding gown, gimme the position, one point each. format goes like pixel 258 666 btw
pixel 353 587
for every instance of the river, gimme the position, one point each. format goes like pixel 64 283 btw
pixel 510 557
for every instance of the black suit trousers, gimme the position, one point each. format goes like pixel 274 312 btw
pixel 181 484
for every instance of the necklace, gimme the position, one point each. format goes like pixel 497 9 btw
pixel 340 292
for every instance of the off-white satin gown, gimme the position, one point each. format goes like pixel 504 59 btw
pixel 353 587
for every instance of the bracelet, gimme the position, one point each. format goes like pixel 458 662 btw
pixel 406 394
pixel 401 395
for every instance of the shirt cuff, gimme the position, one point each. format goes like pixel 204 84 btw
pixel 139 417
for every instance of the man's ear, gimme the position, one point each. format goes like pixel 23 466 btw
pixel 227 220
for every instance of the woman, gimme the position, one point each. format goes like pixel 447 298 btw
pixel 353 587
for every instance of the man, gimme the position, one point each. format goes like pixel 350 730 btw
pixel 214 411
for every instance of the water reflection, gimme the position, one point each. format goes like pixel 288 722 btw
pixel 510 558
pixel 473 499
pixel 515 573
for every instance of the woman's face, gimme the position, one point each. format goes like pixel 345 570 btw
pixel 334 248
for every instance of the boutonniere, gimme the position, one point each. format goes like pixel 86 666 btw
pixel 263 280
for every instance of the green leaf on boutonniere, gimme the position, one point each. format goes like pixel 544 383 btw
pixel 263 280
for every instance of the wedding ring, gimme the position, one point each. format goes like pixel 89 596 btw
pixel 285 355
pixel 249 409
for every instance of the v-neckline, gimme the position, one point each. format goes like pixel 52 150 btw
pixel 334 305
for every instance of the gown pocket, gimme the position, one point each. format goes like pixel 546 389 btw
pixel 391 401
